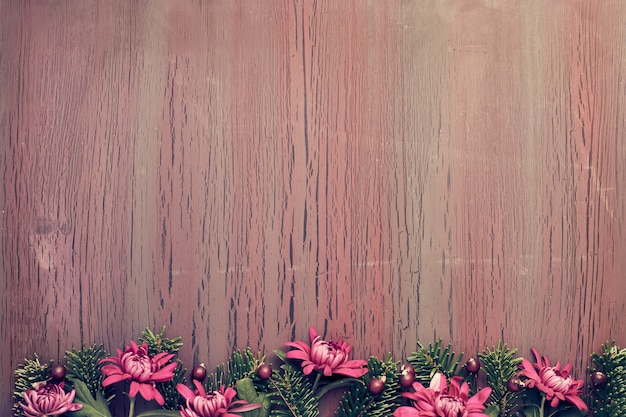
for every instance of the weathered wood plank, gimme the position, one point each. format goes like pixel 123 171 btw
pixel 240 170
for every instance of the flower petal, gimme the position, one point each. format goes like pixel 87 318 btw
pixel 115 378
pixel 185 391
pixel 312 334
pixel 134 389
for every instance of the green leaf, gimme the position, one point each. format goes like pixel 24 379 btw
pixel 341 383
pixel 492 411
pixel 531 412
pixel 160 413
pixel 247 391
pixel 88 411
pixel 91 406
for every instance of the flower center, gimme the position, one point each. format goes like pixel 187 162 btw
pixel 48 399
pixel 334 356
pixel 209 405
pixel 328 353
pixel 138 366
pixel 554 380
pixel 451 406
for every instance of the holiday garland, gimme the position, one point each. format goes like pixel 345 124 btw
pixel 431 382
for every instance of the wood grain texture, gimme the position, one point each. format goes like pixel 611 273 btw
pixel 238 171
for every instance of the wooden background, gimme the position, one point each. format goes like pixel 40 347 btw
pixel 386 171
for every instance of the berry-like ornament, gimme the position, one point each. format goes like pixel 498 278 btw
pixel 376 385
pixel 199 372
pixel 472 365
pixel 407 376
pixel 57 372
pixel 264 371
pixel 599 379
pixel 515 384
pixel 407 368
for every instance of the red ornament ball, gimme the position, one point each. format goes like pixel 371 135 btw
pixel 407 368
pixel 264 371
pixel 199 372
pixel 472 365
pixel 406 380
pixel 376 386
pixel 515 384
pixel 599 379
pixel 57 372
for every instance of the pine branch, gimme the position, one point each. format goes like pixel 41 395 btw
pixel 28 373
pixel 242 364
pixel 358 401
pixel 158 343
pixel 609 400
pixel 499 365
pixel 293 394
pixel 427 361
pixel 84 364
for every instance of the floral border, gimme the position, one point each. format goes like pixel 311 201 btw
pixel 431 382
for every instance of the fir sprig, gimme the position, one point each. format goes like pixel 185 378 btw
pixel 242 364
pixel 28 374
pixel 609 400
pixel 293 392
pixel 430 360
pixel 499 365
pixel 157 342
pixel 84 364
pixel 358 401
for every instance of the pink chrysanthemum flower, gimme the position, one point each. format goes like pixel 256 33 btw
pixel 48 400
pixel 443 400
pixel 327 357
pixel 141 369
pixel 214 404
pixel 555 383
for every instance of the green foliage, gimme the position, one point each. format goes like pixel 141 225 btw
pixel 160 413
pixel 293 393
pixel 499 365
pixel 173 400
pixel 84 364
pixel 93 406
pixel 427 361
pixel 247 391
pixel 28 373
pixel 610 400
pixel 359 402
pixel 158 343
pixel 242 364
